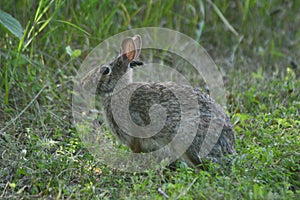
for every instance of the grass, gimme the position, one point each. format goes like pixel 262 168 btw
pixel 41 153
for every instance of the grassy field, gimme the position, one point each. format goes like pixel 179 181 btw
pixel 256 45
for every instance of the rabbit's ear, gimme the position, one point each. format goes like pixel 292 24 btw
pixel 131 47
pixel 128 49
pixel 138 45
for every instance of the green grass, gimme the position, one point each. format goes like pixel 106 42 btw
pixel 41 154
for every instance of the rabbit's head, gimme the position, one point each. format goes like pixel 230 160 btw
pixel 106 76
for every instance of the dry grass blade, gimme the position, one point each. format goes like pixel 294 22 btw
pixel 27 106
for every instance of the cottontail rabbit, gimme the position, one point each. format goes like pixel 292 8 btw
pixel 161 100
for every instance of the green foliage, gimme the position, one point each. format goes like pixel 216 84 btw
pixel 41 153
pixel 74 54
pixel 11 24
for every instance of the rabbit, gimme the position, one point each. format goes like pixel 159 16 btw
pixel 161 94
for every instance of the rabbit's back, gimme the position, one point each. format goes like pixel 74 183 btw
pixel 209 115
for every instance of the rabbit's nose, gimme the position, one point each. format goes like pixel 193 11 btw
pixel 135 63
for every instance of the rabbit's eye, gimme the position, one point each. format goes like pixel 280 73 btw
pixel 105 70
